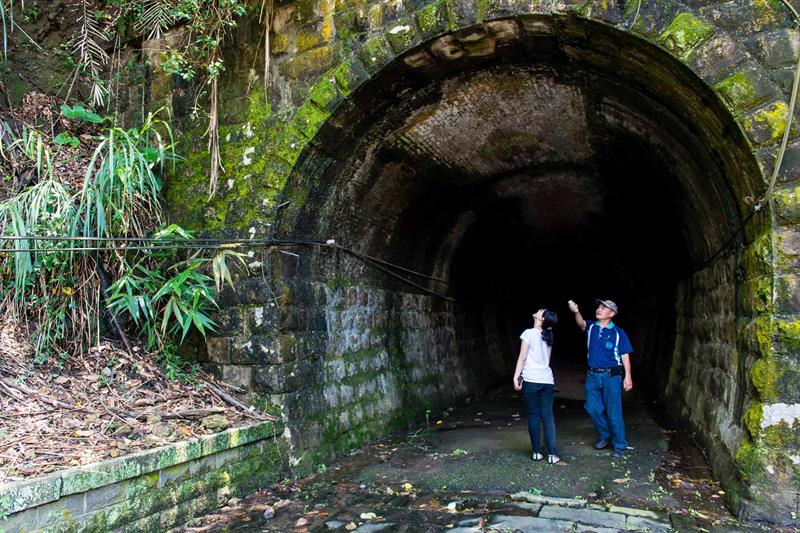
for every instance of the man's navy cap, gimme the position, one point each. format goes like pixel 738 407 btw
pixel 610 304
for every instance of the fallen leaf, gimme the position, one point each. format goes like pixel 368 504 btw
pixel 83 433
pixel 301 522
pixel 61 380
pixel 351 526
pixel 621 480
pixel 408 486
pixel 369 516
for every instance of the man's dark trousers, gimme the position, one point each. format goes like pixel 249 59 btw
pixel 604 405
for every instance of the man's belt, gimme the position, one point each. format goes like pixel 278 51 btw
pixel 600 370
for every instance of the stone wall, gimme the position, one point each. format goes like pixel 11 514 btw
pixel 153 490
pixel 346 363
pixel 705 383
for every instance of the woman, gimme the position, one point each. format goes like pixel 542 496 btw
pixel 534 378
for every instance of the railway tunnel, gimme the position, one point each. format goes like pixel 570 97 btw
pixel 486 173
pixel 549 169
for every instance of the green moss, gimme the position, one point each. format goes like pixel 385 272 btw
pixel 325 93
pixel 764 330
pixel 768 125
pixel 787 336
pixel 752 419
pixel 745 459
pixel 309 118
pixel 742 90
pixel 401 36
pixel 782 436
pixel 347 76
pixel 305 40
pixel 432 19
pixel 309 63
pixel 684 33
pixel 374 54
pixel 764 375
pixel 285 143
pixel 279 44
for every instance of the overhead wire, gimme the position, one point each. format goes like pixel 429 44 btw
pixel 153 244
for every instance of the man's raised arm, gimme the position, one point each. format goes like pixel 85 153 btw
pixel 578 318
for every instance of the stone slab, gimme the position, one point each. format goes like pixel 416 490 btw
pixel 584 516
pixel 636 523
pixel 583 528
pixel 531 524
pixel 548 500
pixel 630 511
pixel 532 508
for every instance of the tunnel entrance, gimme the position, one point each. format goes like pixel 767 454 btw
pixel 566 160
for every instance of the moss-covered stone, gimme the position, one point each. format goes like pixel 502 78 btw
pixel 325 93
pixel 432 19
pixel 684 33
pixel 752 419
pixel 402 35
pixel 375 53
pixel 768 124
pixel 764 374
pixel 279 44
pixel 309 118
pixel 312 62
pixel 744 90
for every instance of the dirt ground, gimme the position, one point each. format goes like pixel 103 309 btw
pixel 465 462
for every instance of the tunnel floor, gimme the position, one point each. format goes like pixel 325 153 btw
pixel 472 457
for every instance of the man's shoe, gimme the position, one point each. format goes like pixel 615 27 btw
pixel 599 445
pixel 618 453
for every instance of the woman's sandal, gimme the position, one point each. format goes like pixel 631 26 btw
pixel 553 459
pixel 538 457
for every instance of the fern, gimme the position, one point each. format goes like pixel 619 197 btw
pixel 156 17
pixel 92 57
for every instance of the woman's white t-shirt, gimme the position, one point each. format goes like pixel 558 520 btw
pixel 537 361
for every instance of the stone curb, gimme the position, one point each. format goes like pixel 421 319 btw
pixel 22 495
pixel 582 514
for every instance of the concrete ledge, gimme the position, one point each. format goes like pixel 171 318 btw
pixel 132 488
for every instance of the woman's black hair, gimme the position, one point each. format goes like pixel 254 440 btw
pixel 550 319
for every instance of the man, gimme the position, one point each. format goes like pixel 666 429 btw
pixel 609 373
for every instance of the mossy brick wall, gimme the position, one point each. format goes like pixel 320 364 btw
pixel 150 491
pixel 347 362
pixel 736 321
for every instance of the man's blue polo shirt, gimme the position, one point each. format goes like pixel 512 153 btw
pixel 606 345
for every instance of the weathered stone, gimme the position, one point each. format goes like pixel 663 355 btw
pixel 684 33
pixel 216 422
pixel 745 89
pixel 549 500
pixel 584 516
pixel 530 523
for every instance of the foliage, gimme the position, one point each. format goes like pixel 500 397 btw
pixel 61 286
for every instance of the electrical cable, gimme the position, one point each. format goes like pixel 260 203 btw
pixel 179 243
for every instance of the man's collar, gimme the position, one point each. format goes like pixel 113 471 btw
pixel 609 326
